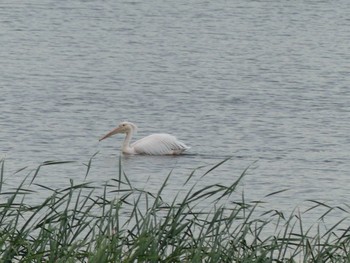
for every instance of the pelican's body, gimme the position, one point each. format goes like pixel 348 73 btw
pixel 154 144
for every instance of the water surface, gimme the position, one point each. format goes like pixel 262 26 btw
pixel 265 82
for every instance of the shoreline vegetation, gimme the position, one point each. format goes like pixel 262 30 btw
pixel 124 224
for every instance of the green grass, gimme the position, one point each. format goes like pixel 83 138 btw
pixel 121 223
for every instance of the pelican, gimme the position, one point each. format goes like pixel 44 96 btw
pixel 154 144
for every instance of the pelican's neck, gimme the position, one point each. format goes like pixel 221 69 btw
pixel 126 144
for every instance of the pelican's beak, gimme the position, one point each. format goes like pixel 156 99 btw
pixel 115 131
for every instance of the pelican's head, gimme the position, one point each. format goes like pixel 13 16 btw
pixel 123 127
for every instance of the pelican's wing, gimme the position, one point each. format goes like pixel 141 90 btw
pixel 159 144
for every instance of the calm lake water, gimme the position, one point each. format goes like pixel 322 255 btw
pixel 265 82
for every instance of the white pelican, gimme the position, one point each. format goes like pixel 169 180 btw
pixel 154 144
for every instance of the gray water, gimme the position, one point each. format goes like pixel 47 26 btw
pixel 265 82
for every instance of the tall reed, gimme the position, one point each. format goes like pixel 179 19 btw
pixel 121 223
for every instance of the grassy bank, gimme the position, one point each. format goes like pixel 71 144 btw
pixel 121 223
